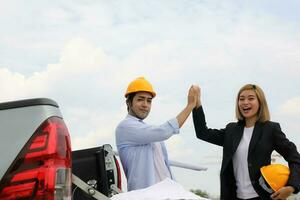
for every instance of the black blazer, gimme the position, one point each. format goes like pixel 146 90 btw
pixel 266 138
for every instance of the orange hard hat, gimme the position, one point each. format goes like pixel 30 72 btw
pixel 140 84
pixel 276 175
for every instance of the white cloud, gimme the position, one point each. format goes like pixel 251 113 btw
pixel 11 84
pixel 79 60
pixel 291 107
pixel 90 127
pixel 80 55
pixel 220 45
pixel 57 15
pixel 178 149
pixel 288 114
pixel 91 139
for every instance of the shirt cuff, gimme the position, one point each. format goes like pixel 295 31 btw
pixel 174 124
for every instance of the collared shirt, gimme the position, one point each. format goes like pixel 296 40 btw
pixel 135 143
pixel 161 170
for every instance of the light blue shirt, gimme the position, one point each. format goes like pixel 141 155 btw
pixel 135 143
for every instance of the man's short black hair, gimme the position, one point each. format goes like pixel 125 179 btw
pixel 130 99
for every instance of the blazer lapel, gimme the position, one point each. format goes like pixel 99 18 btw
pixel 255 136
pixel 237 136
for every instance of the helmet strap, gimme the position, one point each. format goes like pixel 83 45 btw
pixel 265 185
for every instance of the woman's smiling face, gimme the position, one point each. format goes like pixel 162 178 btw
pixel 248 104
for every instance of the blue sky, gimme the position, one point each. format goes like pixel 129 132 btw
pixel 83 54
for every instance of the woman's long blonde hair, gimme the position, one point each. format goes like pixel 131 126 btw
pixel 263 112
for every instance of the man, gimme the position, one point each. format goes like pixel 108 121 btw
pixel 141 148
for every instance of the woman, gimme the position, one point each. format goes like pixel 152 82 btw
pixel 248 145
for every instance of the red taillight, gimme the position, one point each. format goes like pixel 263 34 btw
pixel 42 170
pixel 119 183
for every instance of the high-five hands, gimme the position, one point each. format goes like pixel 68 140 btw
pixel 192 101
pixel 196 91
pixel 192 97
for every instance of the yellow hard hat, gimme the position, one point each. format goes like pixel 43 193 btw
pixel 140 85
pixel 276 176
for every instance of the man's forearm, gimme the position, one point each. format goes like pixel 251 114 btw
pixel 183 115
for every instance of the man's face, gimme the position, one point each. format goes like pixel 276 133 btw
pixel 141 105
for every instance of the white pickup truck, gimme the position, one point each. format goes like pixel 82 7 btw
pixel 36 156
pixel 37 161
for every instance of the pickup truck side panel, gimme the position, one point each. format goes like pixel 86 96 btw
pixel 14 134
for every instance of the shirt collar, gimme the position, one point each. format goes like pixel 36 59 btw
pixel 134 118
